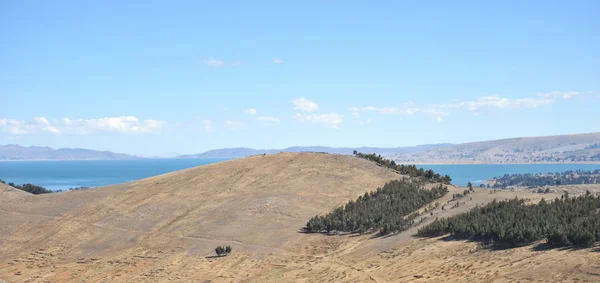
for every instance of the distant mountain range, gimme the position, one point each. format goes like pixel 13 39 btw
pixel 13 152
pixel 579 148
pixel 244 152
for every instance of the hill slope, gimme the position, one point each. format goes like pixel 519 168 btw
pixel 257 203
pixel 549 149
pixel 17 152
pixel 165 229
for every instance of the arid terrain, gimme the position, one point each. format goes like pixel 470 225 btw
pixel 165 229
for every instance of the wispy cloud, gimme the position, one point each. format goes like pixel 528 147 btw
pixel 366 122
pixel 250 111
pixel 234 125
pixel 122 125
pixel 277 61
pixel 214 62
pixel 236 63
pixel 559 94
pixel 406 109
pixel 494 101
pixel 268 121
pixel 208 126
pixel 330 120
pixel 304 105
pixel 438 111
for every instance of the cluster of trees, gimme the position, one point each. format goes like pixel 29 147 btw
pixel 30 188
pixel 223 251
pixel 562 222
pixel 410 170
pixel 74 189
pixel 549 179
pixel 389 209
pixel 36 190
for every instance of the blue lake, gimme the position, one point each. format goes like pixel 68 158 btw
pixel 475 173
pixel 56 175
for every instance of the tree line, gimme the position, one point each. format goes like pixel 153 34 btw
pixel 389 209
pixel 30 188
pixel 37 190
pixel 410 170
pixel 566 221
pixel 549 179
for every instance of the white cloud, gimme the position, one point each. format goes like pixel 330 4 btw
pixel 236 63
pixel 494 101
pixel 305 105
pixel 214 62
pixel 331 120
pixel 42 120
pixel 438 111
pixel 250 111
pixel 208 126
pixel 559 94
pixel 407 109
pixel 123 125
pixel 44 125
pixel 14 127
pixel 234 125
pixel 277 61
pixel 268 121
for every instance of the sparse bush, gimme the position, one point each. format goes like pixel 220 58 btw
pixel 223 251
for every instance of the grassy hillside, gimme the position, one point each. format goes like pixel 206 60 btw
pixel 166 229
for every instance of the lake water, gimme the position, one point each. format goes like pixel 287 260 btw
pixel 57 175
pixel 475 173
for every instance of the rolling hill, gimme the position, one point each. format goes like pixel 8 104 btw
pixel 549 149
pixel 165 229
pixel 245 152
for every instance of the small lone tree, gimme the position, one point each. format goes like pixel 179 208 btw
pixel 223 251
pixel 220 251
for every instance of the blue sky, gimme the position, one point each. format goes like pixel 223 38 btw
pixel 158 77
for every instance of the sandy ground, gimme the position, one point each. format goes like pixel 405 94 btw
pixel 165 228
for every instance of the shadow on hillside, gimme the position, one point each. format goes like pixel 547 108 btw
pixel 343 234
pixel 484 243
pixel 546 247
pixel 214 256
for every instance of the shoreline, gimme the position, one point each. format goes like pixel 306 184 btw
pixel 481 163
pixel 397 162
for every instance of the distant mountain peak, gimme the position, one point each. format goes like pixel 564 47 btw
pixel 16 152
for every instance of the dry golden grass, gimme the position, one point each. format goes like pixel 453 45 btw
pixel 165 228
